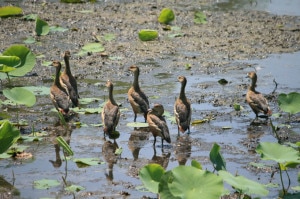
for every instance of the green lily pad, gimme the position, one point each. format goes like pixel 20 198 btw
pixel 38 90
pixel 166 16
pixel 41 27
pixel 74 188
pixel 287 156
pixel 20 95
pixel 151 175
pixel 45 183
pixel 57 29
pixel 148 35
pixel 27 59
pixel 8 136
pixel 88 161
pixel 190 182
pixel 91 48
pixel 109 37
pixel 7 11
pixel 216 158
pixel 12 61
pixel 244 185
pixel 29 40
pixel 289 102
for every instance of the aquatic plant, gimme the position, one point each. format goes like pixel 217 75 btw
pixel 289 102
pixel 8 135
pixel 147 35
pixel 41 27
pixel 285 156
pixel 20 95
pixel 166 16
pixel 8 11
pixel 216 158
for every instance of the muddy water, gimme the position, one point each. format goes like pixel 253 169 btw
pixel 160 65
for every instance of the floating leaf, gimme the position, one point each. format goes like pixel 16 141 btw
pixel 27 59
pixel 200 18
pixel 166 16
pixel 137 124
pixel 244 185
pixel 12 61
pixel 109 37
pixel 20 95
pixel 289 102
pixel 237 107
pixel 223 81
pixel 74 188
pixel 61 141
pixel 176 35
pixel 8 136
pixel 71 1
pixel 148 35
pixel 190 182
pixel 199 121
pixel 38 90
pixel 7 11
pixel 57 29
pixel 151 175
pixel 41 27
pixel 30 17
pixel 216 158
pixel 91 48
pixel 88 161
pixel 45 183
pixel 287 156
pixel 29 40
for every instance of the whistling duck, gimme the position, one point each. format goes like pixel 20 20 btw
pixel 68 81
pixel 157 123
pixel 255 99
pixel 110 113
pixel 58 95
pixel 182 108
pixel 137 98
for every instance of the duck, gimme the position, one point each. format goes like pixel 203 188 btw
pixel 182 108
pixel 157 124
pixel 68 81
pixel 58 94
pixel 137 98
pixel 257 102
pixel 110 113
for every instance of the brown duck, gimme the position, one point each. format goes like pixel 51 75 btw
pixel 255 99
pixel 69 82
pixel 58 95
pixel 110 113
pixel 182 108
pixel 137 98
pixel 157 123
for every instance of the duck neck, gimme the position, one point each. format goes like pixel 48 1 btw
pixel 136 80
pixel 57 73
pixel 68 70
pixel 110 96
pixel 182 91
pixel 253 84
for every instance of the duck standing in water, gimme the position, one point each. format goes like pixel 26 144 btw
pixel 69 82
pixel 157 124
pixel 182 108
pixel 137 98
pixel 110 113
pixel 255 99
pixel 58 94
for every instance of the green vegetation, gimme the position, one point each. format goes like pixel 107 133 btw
pixel 148 35
pixel 8 11
pixel 166 16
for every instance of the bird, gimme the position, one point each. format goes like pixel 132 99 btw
pixel 257 102
pixel 182 108
pixel 137 98
pixel 69 82
pixel 110 113
pixel 157 124
pixel 58 94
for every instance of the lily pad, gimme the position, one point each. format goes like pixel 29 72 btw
pixel 216 158
pixel 26 56
pixel 190 182
pixel 20 96
pixel 88 161
pixel 166 16
pixel 57 29
pixel 91 48
pixel 148 35
pixel 151 175
pixel 8 136
pixel 243 185
pixel 12 61
pixel 109 37
pixel 137 124
pixel 29 40
pixel 38 90
pixel 74 188
pixel 45 183
pixel 41 27
pixel 289 102
pixel 7 11
pixel 200 18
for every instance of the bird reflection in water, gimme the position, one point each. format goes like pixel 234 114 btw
pixel 138 138
pixel 162 160
pixel 108 152
pixel 183 147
